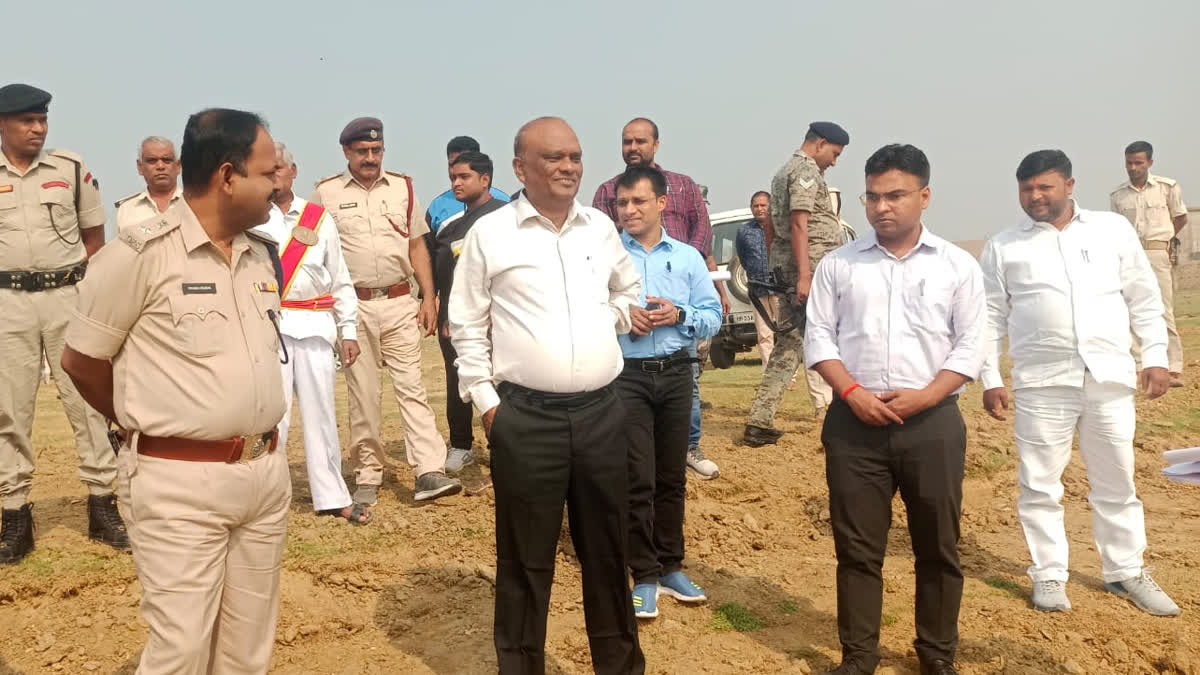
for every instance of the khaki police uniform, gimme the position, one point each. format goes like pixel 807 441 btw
pixel 40 227
pixel 1151 210
pixel 375 225
pixel 195 362
pixel 798 186
pixel 141 206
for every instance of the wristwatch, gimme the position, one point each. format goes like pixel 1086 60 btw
pixel 682 315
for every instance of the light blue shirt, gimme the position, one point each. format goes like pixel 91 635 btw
pixel 675 271
pixel 445 205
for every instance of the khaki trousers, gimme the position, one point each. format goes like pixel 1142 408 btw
pixel 208 538
pixel 818 390
pixel 1160 261
pixel 388 335
pixel 32 322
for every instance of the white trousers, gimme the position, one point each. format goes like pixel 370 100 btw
pixel 1046 421
pixel 309 374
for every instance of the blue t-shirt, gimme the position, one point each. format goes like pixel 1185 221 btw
pixel 445 205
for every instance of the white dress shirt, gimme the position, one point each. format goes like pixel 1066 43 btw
pixel 1067 301
pixel 540 307
pixel 897 322
pixel 321 272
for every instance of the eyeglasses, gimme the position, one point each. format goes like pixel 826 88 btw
pixel 872 199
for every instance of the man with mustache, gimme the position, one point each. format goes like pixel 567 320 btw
pixel 51 223
pixel 176 339
pixel 542 289
pixel 1066 285
pixel 1154 204
pixel 159 167
pixel 384 244
pixel 685 219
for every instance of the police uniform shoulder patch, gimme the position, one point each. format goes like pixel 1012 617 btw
pixel 1169 182
pixel 327 179
pixel 122 200
pixel 1120 187
pixel 66 154
pixel 262 238
pixel 137 236
pixel 397 174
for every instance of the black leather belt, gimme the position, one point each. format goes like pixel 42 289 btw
pixel 660 365
pixel 550 399
pixel 42 281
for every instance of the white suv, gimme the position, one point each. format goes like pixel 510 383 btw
pixel 738 333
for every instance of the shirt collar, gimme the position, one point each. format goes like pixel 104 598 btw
pixel 348 178
pixel 633 244
pixel 526 213
pixel 194 235
pixel 42 158
pixel 927 238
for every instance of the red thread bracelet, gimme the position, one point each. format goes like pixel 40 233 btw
pixel 850 390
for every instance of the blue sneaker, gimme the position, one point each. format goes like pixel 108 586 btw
pixel 645 601
pixel 678 586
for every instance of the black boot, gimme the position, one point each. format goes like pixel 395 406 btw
pixel 938 667
pixel 16 537
pixel 757 437
pixel 104 522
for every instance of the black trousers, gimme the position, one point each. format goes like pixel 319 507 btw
pixel 548 449
pixel 658 408
pixel 458 413
pixel 864 466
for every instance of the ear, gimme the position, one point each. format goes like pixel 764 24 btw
pixel 1070 186
pixel 224 177
pixel 926 193
pixel 662 202
pixel 487 181
pixel 295 170
pixel 519 169
pixel 346 152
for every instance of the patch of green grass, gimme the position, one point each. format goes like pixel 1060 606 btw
pixel 989 465
pixel 473 532
pixel 1003 585
pixel 732 616
pixel 788 607
pixel 51 562
pixel 887 620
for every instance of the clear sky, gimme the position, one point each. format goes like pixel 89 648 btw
pixel 977 85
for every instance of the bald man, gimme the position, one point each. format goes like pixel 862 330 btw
pixel 539 366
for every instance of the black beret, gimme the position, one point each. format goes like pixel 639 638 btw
pixel 362 129
pixel 830 132
pixel 22 98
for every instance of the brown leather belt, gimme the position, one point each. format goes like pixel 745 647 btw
pixel 231 451
pixel 1156 245
pixel 389 292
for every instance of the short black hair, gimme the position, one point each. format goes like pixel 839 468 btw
pixel 760 192
pixel 1042 161
pixel 901 157
pixel 811 135
pixel 213 137
pixel 479 162
pixel 1140 146
pixel 653 126
pixel 461 144
pixel 636 174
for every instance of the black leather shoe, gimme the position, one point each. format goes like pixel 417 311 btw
pixel 16 535
pixel 938 667
pixel 850 668
pixel 756 437
pixel 104 522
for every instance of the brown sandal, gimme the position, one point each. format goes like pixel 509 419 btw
pixel 357 511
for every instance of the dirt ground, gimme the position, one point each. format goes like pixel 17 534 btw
pixel 412 592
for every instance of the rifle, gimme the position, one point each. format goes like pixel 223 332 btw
pixel 773 286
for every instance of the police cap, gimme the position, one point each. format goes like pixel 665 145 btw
pixel 362 129
pixel 23 98
pixel 830 132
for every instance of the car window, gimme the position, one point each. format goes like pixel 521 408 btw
pixel 724 236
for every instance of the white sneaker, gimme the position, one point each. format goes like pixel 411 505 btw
pixel 457 458
pixel 1145 595
pixel 704 467
pixel 1050 596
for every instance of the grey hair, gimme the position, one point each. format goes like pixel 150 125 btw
pixel 157 140
pixel 281 149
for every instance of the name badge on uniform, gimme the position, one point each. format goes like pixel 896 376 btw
pixel 199 289
pixel 348 205
pixel 304 235
pixel 5 188
pixel 266 286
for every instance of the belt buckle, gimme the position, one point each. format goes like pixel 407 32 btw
pixel 652 367
pixel 27 282
pixel 258 449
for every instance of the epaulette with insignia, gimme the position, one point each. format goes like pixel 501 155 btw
pixel 1120 187
pixel 327 179
pixel 262 238
pixel 397 174
pixel 122 200
pixel 1170 182
pixel 65 154
pixel 137 236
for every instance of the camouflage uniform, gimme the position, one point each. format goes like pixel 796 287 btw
pixel 798 186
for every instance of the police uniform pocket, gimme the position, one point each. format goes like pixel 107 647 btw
pixel 202 330
pixel 60 202
pixel 8 210
pixel 267 306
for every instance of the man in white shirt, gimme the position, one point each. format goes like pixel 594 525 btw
pixel 895 326
pixel 1066 285
pixel 318 302
pixel 541 290
pixel 158 165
